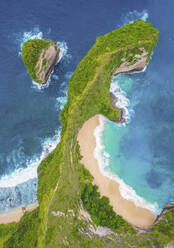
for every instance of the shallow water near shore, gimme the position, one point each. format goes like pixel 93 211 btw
pixel 138 153
pixel 29 115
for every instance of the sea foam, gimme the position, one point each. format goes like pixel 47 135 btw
pixel 102 156
pixel 131 16
pixel 126 191
pixel 122 100
pixel 37 34
pixel 30 35
pixel 22 175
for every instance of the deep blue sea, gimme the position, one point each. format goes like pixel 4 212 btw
pixel 141 152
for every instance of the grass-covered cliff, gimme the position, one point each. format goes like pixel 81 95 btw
pixel 65 187
pixel 39 57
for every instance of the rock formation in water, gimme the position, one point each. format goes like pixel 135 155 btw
pixel 40 57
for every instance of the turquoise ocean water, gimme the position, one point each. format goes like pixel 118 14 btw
pixel 133 153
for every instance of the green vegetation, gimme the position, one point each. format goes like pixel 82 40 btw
pixel 31 51
pixel 128 39
pixel 101 212
pixel 64 183
pixel 25 233
pixel 163 230
pixel 44 62
pixel 6 231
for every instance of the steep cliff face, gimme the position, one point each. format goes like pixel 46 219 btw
pixel 47 60
pixel 129 63
pixel 40 57
pixel 135 62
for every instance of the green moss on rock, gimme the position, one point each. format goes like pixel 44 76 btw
pixel 31 51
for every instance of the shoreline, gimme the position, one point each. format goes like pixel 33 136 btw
pixel 16 214
pixel 126 191
pixel 135 215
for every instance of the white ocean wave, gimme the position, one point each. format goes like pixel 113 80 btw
pixel 63 51
pixel 30 35
pixel 37 34
pixel 22 175
pixel 40 87
pixel 122 100
pixel 68 75
pixel 56 77
pixel 60 102
pixel 134 15
pixel 126 191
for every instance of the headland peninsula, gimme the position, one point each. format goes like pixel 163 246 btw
pixel 71 211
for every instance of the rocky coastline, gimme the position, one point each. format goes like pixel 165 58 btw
pixel 126 68
pixel 56 59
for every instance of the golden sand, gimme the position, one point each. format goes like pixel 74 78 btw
pixel 16 214
pixel 138 216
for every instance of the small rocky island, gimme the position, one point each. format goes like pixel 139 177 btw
pixel 40 57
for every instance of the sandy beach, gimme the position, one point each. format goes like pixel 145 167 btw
pixel 138 216
pixel 16 214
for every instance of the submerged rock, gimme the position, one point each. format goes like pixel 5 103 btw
pixel 40 57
